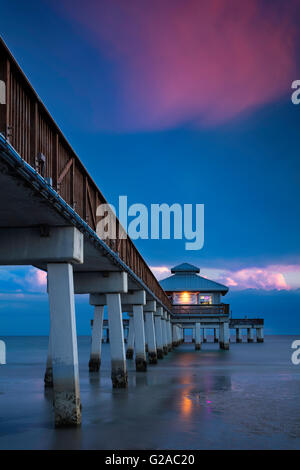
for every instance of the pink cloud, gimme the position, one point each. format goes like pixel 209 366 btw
pixel 36 280
pixel 201 62
pixel 278 277
pixel 160 272
pixel 41 278
pixel 256 278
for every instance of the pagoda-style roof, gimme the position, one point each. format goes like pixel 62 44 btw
pixel 185 268
pixel 186 278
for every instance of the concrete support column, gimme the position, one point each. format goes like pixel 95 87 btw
pixel 169 332
pixel 238 335
pixel 130 340
pixel 204 336
pixel 164 335
pixel 260 335
pixel 95 357
pixel 158 336
pixel 224 335
pixel 193 335
pixel 174 336
pixel 198 336
pixel 67 407
pixel 119 375
pixel 48 378
pixel 216 338
pixel 150 334
pixel 139 336
pixel 250 335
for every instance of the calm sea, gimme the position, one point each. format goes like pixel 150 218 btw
pixel 245 398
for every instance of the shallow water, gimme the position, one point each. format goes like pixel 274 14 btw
pixel 245 398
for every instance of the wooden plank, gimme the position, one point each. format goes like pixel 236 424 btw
pixel 91 206
pixel 34 129
pixel 65 170
pixel 55 162
pixel 84 208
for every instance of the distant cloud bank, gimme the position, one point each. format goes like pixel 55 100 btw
pixel 279 277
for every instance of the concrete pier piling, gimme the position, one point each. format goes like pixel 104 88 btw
pixel 238 335
pixel 130 339
pixel 119 374
pixel 48 378
pixel 174 336
pixel 164 332
pixel 168 331
pixel 105 289
pixel 198 336
pixel 193 335
pixel 260 335
pixel 149 324
pixel 149 310
pixel 139 335
pixel 216 336
pixel 95 357
pixel 67 407
pixel 158 333
pixel 250 335
pixel 224 335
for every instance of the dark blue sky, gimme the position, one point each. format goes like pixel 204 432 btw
pixel 224 133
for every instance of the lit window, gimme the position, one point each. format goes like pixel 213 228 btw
pixel 205 299
pixel 185 298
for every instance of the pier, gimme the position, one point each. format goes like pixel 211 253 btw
pixel 48 219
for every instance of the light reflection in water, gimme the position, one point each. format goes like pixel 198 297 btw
pixel 186 406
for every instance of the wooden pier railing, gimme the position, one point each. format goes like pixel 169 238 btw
pixel 30 129
pixel 217 309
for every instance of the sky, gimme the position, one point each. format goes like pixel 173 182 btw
pixel 171 101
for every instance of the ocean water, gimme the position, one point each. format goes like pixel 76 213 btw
pixel 245 398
